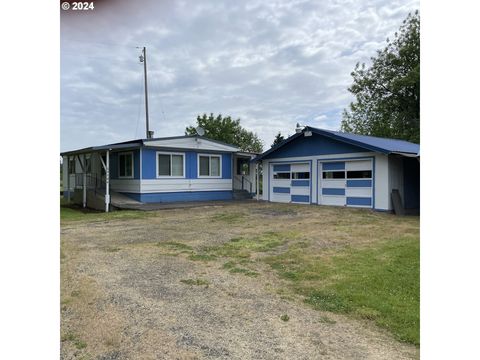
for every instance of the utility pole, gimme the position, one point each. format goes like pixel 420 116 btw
pixel 143 58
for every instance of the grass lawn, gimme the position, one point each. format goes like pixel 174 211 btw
pixel 380 282
pixel 348 261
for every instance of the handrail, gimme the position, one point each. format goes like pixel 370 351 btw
pixel 93 181
pixel 245 182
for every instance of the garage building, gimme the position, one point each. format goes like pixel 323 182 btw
pixel 324 167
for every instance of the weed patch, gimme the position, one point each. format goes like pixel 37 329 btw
pixel 197 282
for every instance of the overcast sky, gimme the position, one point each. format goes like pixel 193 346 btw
pixel 270 63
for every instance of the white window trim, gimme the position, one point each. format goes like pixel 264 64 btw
pixel 169 176
pixel 133 165
pixel 210 166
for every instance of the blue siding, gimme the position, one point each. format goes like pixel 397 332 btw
pixel 332 191
pixel 149 164
pixel 300 182
pixel 283 167
pixel 136 164
pixel 226 166
pixel 281 190
pixel 191 171
pixel 340 165
pixel 301 198
pixel 361 201
pixel 181 196
pixel 359 183
pixel 313 145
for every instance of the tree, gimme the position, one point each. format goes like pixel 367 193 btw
pixel 278 139
pixel 227 130
pixel 388 92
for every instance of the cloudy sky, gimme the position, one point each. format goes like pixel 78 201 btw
pixel 270 63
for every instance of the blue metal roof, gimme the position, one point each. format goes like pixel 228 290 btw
pixel 373 143
pixel 386 144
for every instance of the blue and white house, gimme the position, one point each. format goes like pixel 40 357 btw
pixel 324 167
pixel 182 168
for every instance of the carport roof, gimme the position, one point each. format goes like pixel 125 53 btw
pixel 373 143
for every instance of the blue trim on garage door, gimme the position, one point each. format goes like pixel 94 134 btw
pixel 360 201
pixel 300 182
pixel 333 166
pixel 281 190
pixel 359 183
pixel 282 167
pixel 333 191
pixel 300 198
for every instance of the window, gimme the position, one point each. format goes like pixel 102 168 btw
pixel 301 175
pixel 170 164
pixel 281 175
pixel 360 174
pixel 209 165
pixel 125 165
pixel 333 175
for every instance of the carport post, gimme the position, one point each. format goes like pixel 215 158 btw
pixel 257 176
pixel 84 168
pixel 107 182
pixel 68 179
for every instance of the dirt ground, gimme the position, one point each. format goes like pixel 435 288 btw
pixel 146 288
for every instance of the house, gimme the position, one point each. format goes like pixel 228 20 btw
pixel 170 169
pixel 324 167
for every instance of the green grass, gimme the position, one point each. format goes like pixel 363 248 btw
pixel 79 344
pixel 174 245
pixel 380 282
pixel 243 247
pixel 202 257
pixel 70 212
pixel 285 317
pixel 229 218
pixel 197 282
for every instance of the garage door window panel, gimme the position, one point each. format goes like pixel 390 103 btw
pixel 281 175
pixel 359 174
pixel 333 175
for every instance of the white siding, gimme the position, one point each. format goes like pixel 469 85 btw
pixel 395 172
pixel 177 185
pixel 382 197
pixel 125 185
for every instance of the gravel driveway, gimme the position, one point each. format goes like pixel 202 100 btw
pixel 131 289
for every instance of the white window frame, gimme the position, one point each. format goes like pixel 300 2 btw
pixel 169 176
pixel 133 165
pixel 210 166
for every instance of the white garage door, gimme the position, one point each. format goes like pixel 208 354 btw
pixel 290 183
pixel 346 183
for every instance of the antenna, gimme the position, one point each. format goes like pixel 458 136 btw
pixel 200 131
